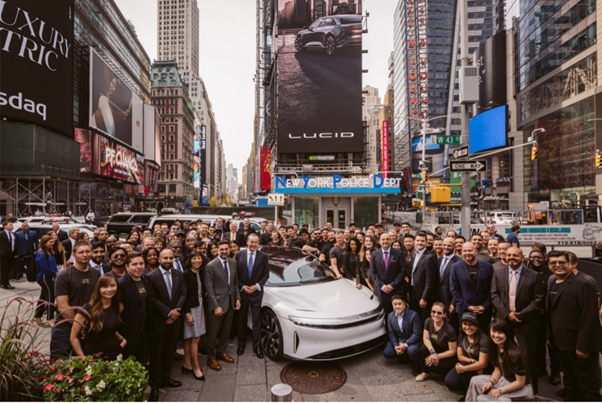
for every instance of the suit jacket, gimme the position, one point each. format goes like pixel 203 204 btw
pixel 68 248
pixel 445 294
pixel 412 328
pixel 161 304
pixel 132 315
pixel 576 324
pixel 238 238
pixel 264 238
pixel 463 291
pixel 529 297
pixel 192 289
pixel 259 274
pixel 63 235
pixel 29 246
pixel 186 251
pixel 216 283
pixel 394 275
pixel 6 251
pixel 425 277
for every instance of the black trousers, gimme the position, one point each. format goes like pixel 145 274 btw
pixel 219 329
pixel 6 264
pixel 527 343
pixel 254 304
pixel 580 376
pixel 46 283
pixel 139 349
pixel 542 345
pixel 162 347
pixel 445 365
pixel 424 313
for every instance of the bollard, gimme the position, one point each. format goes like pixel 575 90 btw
pixel 282 393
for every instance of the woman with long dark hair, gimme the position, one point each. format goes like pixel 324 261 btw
pixel 510 377
pixel 365 256
pixel 101 320
pixel 212 251
pixel 194 324
pixel 59 251
pixel 82 237
pixel 134 237
pixel 46 271
pixel 351 260
pixel 151 259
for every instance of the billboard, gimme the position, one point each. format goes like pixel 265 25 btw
pixel 151 177
pixel 319 76
pixel 114 109
pixel 385 144
pixel 491 60
pixel 152 134
pixel 431 147
pixel 488 130
pixel 197 164
pixel 203 159
pixel 84 138
pixel 265 169
pixel 113 160
pixel 36 78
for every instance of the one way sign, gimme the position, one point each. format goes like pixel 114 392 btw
pixel 468 166
pixel 460 152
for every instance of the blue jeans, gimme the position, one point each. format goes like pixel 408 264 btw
pixel 412 354
pixel 60 345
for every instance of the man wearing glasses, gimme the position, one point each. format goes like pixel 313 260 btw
pixel 118 257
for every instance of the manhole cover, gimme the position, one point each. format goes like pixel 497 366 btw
pixel 313 378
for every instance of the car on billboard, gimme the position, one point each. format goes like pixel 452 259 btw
pixel 330 33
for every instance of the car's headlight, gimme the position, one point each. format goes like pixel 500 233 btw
pixel 334 323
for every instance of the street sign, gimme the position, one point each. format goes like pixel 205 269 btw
pixel 460 152
pixel 468 166
pixel 445 139
pixel 275 199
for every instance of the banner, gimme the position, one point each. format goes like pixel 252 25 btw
pixel 197 164
pixel 385 151
pixel 319 76
pixel 115 161
pixel 36 78
pixel 84 138
pixel 266 169
pixel 203 159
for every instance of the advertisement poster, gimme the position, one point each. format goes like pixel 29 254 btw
pixel 84 138
pixel 197 164
pixel 266 169
pixel 117 162
pixel 37 63
pixel 319 76
pixel 385 152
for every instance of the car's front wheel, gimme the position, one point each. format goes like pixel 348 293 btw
pixel 299 43
pixel 330 45
pixel 271 336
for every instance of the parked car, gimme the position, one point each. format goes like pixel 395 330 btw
pixel 40 219
pixel 124 222
pixel 172 218
pixel 330 33
pixel 500 217
pixel 307 314
pixel 44 227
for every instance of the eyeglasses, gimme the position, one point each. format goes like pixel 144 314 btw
pixel 557 263
pixel 437 312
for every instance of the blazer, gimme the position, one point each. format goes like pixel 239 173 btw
pixel 463 291
pixel 238 238
pixel 132 314
pixel 6 251
pixel 445 294
pixel 394 275
pixel 161 304
pixel 63 235
pixel 29 246
pixel 529 297
pixel 68 248
pixel 216 283
pixel 192 289
pixel 425 277
pixel 577 324
pixel 265 238
pixel 411 332
pixel 259 274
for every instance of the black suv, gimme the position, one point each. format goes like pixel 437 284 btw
pixel 124 222
pixel 330 33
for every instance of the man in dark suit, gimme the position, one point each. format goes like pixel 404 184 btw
pixel 234 236
pixel 423 278
pixel 135 317
pixel 265 232
pixel 8 252
pixel 405 334
pixel 445 264
pixel 178 260
pixel 517 294
pixel 470 283
pixel 388 269
pixel 27 245
pixel 167 295
pixel 223 296
pixel 574 329
pixel 253 273
pixel 63 236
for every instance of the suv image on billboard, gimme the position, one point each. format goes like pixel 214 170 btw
pixel 330 33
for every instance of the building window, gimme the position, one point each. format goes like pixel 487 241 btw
pixel 172 188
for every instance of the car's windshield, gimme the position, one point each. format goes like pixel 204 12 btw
pixel 301 272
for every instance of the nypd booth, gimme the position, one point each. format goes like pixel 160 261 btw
pixel 316 200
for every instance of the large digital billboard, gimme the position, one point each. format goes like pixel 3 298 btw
pixel 319 76
pixel 152 134
pixel 488 130
pixel 491 60
pixel 114 109
pixel 36 77
pixel 113 160
pixel 84 138
pixel 196 168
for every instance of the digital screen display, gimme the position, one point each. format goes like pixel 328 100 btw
pixel 417 144
pixel 488 130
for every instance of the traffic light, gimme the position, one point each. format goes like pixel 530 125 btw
pixel 534 153
pixel 598 159
pixel 425 176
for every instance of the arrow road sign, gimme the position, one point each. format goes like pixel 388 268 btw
pixel 468 166
pixel 460 152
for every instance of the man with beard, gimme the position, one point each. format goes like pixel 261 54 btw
pixel 423 278
pixel 328 245
pixel 96 233
pixel 445 264
pixel 477 241
pixel 167 295
pixel 118 257
pixel 458 243
pixel 98 257
pixel 438 247
pixel 430 242
pixel 293 240
pixel 517 294
pixel 316 244
pixel 336 254
pixel 408 246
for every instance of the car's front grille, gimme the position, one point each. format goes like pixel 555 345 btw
pixel 349 351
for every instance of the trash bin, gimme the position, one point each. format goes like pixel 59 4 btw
pixel 419 217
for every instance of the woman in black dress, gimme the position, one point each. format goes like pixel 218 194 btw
pixel 351 260
pixel 102 320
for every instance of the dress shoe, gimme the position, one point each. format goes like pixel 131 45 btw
pixel 555 379
pixel 259 353
pixel 154 395
pixel 171 383
pixel 241 350
pixel 198 378
pixel 7 287
pixel 186 370
pixel 225 357
pixel 214 365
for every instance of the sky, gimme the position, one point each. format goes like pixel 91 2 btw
pixel 227 59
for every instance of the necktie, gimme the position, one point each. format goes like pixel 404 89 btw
pixel 178 266
pixel 512 292
pixel 443 265
pixel 250 266
pixel 168 282
pixel 386 261
pixel 232 237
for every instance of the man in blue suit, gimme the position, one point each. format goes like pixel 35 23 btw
pixel 253 273
pixel 27 245
pixel 470 283
pixel 405 334
pixel 388 270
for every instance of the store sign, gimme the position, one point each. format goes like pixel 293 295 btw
pixel 503 181
pixel 314 158
pixel 337 184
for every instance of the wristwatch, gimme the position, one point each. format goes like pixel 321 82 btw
pixel 432 350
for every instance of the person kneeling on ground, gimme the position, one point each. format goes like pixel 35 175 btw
pixel 438 353
pixel 405 334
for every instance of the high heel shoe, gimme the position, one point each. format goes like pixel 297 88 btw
pixel 186 370
pixel 198 378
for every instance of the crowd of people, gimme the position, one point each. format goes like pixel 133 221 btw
pixel 477 311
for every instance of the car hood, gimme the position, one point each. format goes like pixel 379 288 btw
pixel 334 299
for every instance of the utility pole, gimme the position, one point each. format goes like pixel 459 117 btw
pixel 465 213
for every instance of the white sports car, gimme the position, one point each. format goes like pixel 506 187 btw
pixel 308 315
